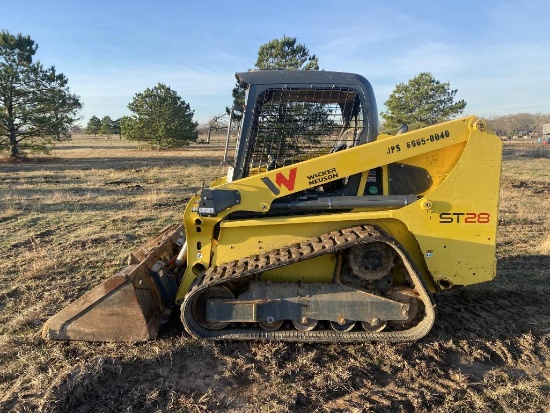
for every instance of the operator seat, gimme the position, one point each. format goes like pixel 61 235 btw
pixel 346 140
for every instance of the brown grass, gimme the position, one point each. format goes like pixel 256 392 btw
pixel 69 221
pixel 545 245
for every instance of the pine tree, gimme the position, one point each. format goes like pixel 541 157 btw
pixel 161 118
pixel 423 99
pixel 36 104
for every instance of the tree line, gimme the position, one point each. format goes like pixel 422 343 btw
pixel 37 108
pixel 519 124
pixel 103 126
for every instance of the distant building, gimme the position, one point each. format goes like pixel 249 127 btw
pixel 545 134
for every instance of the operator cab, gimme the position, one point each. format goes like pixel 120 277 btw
pixel 292 116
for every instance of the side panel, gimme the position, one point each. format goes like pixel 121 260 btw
pixel 456 223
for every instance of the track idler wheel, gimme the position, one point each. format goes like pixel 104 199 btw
pixel 198 308
pixel 342 327
pixel 304 324
pixel 270 325
pixel 375 325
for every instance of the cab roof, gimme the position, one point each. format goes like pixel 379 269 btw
pixel 278 77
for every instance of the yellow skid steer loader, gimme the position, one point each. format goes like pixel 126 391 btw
pixel 323 229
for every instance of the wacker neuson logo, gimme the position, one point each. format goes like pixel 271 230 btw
pixel 289 181
pixel 323 176
pixel 281 180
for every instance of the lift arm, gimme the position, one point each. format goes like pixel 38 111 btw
pixel 256 193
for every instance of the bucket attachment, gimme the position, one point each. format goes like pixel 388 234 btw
pixel 130 306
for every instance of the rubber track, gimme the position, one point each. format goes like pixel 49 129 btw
pixel 311 248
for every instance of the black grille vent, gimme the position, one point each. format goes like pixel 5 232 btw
pixel 293 125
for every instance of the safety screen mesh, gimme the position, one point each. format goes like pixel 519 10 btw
pixel 293 125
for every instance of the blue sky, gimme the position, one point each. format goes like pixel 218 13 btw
pixel 496 53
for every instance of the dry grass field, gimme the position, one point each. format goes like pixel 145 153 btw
pixel 68 221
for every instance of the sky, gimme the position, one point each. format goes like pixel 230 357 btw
pixel 495 53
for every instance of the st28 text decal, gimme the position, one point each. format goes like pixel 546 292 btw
pixel 464 218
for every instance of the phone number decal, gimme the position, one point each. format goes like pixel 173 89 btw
pixel 433 138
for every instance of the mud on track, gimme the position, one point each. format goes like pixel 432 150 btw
pixel 489 350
